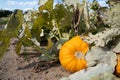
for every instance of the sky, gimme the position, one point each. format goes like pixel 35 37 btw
pixel 27 4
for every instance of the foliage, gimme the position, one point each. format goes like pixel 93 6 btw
pixel 46 29
pixel 93 73
pixel 113 16
pixel 116 48
pixel 3 20
pixel 49 26
pixel 5 13
pixel 98 55
pixel 102 38
pixel 11 31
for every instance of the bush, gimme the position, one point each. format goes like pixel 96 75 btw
pixel 5 13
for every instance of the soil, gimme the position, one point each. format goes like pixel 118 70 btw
pixel 14 67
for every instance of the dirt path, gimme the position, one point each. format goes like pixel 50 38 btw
pixel 13 67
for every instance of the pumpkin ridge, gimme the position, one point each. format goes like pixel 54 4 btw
pixel 82 64
pixel 66 65
pixel 70 48
pixel 72 69
pixel 85 50
pixel 118 64
pixel 76 46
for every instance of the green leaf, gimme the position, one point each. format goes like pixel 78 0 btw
pixel 2 35
pixel 95 5
pixel 62 16
pixel 26 41
pixel 14 23
pixel 59 12
pixel 53 51
pixel 49 43
pixel 37 26
pixel 44 21
pixel 47 6
pixel 4 43
pixel 27 32
pixel 36 32
pixel 18 47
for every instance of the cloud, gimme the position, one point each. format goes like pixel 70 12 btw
pixel 7 9
pixel 102 3
pixel 11 2
pixel 22 3
pixel 25 9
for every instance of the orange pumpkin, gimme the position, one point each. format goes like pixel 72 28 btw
pixel 118 64
pixel 72 54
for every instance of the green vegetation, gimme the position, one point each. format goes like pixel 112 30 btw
pixel 53 25
pixel 3 20
pixel 5 13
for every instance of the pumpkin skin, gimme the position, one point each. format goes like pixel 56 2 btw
pixel 72 54
pixel 118 64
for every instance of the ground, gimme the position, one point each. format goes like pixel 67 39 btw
pixel 14 67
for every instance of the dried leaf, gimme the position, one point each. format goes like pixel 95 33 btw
pixel 98 55
pixel 102 38
pixel 99 72
pixel 28 16
pixel 72 2
pixel 113 16
pixel 117 48
pixel 86 14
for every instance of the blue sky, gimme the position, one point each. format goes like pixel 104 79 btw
pixel 18 4
pixel 26 4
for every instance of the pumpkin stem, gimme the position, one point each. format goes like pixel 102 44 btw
pixel 58 31
pixel 78 54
